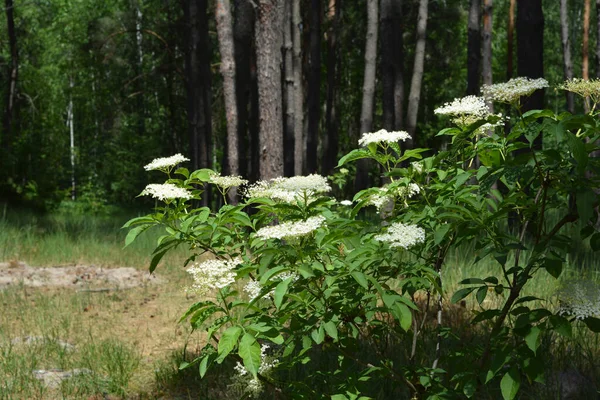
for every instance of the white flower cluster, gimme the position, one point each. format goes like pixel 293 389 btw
pixel 289 189
pixel 383 136
pixel 212 274
pixel 165 163
pixel 511 91
pixel 166 191
pixel 228 181
pixel 579 299
pixel 583 88
pixel 346 203
pixel 253 287
pixel 387 195
pixel 381 199
pixel 291 229
pixel 401 235
pixel 469 105
pixel 417 166
pixel 245 382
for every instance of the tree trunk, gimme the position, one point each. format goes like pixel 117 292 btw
pixel 392 59
pixel 268 57
pixel 417 76
pixel 139 70
pixel 288 93
pixel 510 40
pixel 487 46
pixel 225 32
pixel 197 71
pixel 298 93
pixel 330 142
pixel 597 38
pixel 566 47
pixel 474 48
pixel 71 128
pixel 530 51
pixel 314 87
pixel 366 114
pixel 585 69
pixel 13 76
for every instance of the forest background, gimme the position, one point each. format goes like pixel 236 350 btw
pixel 91 91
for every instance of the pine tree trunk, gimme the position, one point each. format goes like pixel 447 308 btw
pixel 288 93
pixel 366 114
pixel 12 77
pixel 510 40
pixel 314 87
pixel 298 90
pixel 392 56
pixel 268 56
pixel 597 38
pixel 331 138
pixel 486 69
pixel 585 69
pixel 197 71
pixel 417 76
pixel 474 47
pixel 225 32
pixel 566 47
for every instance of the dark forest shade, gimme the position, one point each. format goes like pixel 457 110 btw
pixel 530 48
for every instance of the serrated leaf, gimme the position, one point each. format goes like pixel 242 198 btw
pixel 318 335
pixel 533 339
pixel 355 154
pixel 461 294
pixel 134 233
pixel 206 363
pixel 360 278
pixel 281 291
pixel 249 351
pixel 228 341
pixel 440 233
pixel 481 294
pixel 331 329
pixel 509 386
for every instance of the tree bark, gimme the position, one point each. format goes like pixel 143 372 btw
pixel 417 76
pixel 392 59
pixel 368 99
pixel 487 46
pixel 298 89
pixel 597 38
pixel 225 32
pixel 331 138
pixel 530 50
pixel 71 128
pixel 510 40
pixel 268 57
pixel 12 77
pixel 197 71
pixel 288 93
pixel 566 47
pixel 474 48
pixel 314 87
pixel 585 69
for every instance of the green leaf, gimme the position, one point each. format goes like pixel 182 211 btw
pixel 561 325
pixel 355 154
pixel 533 339
pixel 318 335
pixel 481 294
pixel 331 329
pixel 281 291
pixel 593 324
pixel 360 278
pixel 585 204
pixel 202 175
pixel 404 316
pixel 595 241
pixel 577 148
pixel 249 351
pixel 134 233
pixel 554 266
pixel 509 386
pixel 228 341
pixel 206 363
pixel 440 233
pixel 461 294
pixel 472 281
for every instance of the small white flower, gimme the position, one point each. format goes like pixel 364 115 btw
pixel 469 105
pixel 383 136
pixel 346 203
pixel 165 163
pixel 579 299
pixel 401 235
pixel 252 288
pixel 291 229
pixel 245 382
pixel 166 191
pixel 227 181
pixel 289 190
pixel 513 90
pixel 417 166
pixel 213 274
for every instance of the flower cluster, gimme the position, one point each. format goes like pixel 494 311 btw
pixel 346 203
pixel 165 163
pixel 583 88
pixel 245 382
pixel 289 189
pixel 166 191
pixel 226 182
pixel 466 110
pixel 253 287
pixel 401 235
pixel 213 274
pixel 386 195
pixel 417 166
pixel 579 299
pixel 289 230
pixel 383 136
pixel 511 91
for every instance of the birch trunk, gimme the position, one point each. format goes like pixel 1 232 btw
pixel 268 57
pixel 414 96
pixel 71 128
pixel 566 47
pixel 366 114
